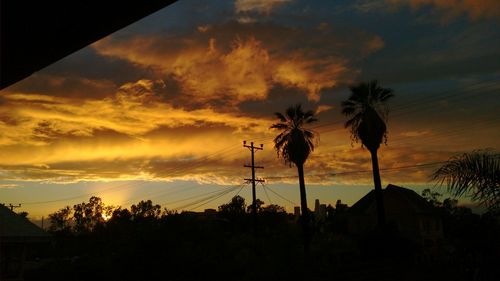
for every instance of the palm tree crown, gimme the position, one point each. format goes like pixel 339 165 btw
pixel 366 107
pixel 294 143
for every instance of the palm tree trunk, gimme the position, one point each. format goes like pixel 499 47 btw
pixel 303 207
pixel 379 198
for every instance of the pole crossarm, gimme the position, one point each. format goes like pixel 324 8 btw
pixel 11 206
pixel 259 180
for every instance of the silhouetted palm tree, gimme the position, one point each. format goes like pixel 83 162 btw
pixel 368 113
pixel 294 144
pixel 475 174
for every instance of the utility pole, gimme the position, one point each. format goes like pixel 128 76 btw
pixel 253 180
pixel 14 206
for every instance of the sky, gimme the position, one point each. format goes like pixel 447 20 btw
pixel 159 110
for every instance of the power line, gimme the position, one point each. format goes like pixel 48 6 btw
pixel 237 193
pixel 193 197
pixel 217 195
pixel 484 125
pixel 162 193
pixel 280 196
pixel 416 103
pixel 213 199
pixel 362 171
pixel 267 195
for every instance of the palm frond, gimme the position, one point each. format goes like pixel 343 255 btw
pixel 354 121
pixel 280 116
pixel 386 94
pixel 279 126
pixel 311 120
pixel 348 108
pixel 291 113
pixel 475 174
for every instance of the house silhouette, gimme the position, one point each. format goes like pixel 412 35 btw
pixel 407 213
pixel 17 236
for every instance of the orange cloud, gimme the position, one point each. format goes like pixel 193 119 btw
pixel 43 135
pixel 134 110
pixel 135 134
pixel 236 62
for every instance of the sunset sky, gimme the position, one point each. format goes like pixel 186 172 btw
pixel 159 109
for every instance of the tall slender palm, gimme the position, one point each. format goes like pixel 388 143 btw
pixel 367 114
pixel 294 144
pixel 475 174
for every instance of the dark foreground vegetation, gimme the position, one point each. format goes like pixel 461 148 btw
pixel 146 243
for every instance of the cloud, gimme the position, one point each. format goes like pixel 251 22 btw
pixel 451 9
pixel 64 86
pixel 326 166
pixel 43 135
pixel 259 6
pixel 414 133
pixel 323 108
pixel 246 19
pixel 137 134
pixel 367 6
pixel 236 62
pixel 8 186
pixel 203 28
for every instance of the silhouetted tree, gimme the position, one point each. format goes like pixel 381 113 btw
pixel 145 210
pixel 60 220
pixel 475 174
pixel 273 209
pixel 432 197
pixel 23 214
pixel 107 211
pixel 367 114
pixel 258 205
pixel 166 212
pixel 88 215
pixel 294 143
pixel 450 204
pixel 120 214
pixel 235 208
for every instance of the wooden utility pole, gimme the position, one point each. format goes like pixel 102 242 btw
pixel 253 180
pixel 14 206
